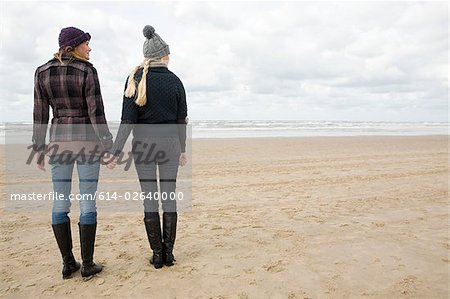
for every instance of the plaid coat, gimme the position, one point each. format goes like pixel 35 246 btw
pixel 72 90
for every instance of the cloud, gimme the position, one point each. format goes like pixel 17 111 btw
pixel 250 60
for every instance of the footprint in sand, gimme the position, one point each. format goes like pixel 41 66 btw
pixel 99 281
pixel 249 271
pixel 292 212
pixel 123 256
pixel 127 238
pixel 378 224
pixel 253 282
pixel 108 228
pixel 274 267
pixel 314 218
pixel 193 253
pixel 186 270
pixel 216 227
pixel 262 242
pixel 48 291
pixel 282 234
pixel 408 284
pixel 13 288
pixel 243 295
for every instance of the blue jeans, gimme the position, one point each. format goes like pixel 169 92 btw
pixel 88 172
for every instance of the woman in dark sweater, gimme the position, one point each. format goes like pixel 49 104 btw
pixel 154 108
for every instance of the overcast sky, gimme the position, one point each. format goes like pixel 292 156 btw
pixel 371 61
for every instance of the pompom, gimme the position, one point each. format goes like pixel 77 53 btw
pixel 149 31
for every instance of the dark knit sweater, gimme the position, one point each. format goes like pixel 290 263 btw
pixel 166 104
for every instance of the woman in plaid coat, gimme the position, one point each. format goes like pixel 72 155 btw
pixel 69 85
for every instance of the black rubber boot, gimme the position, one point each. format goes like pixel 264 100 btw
pixel 169 234
pixel 63 235
pixel 153 228
pixel 87 239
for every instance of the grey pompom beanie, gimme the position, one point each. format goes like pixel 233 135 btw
pixel 154 46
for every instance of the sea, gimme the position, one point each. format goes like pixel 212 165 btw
pixel 206 129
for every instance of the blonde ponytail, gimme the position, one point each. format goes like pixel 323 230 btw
pixel 141 99
pixel 130 91
pixel 131 84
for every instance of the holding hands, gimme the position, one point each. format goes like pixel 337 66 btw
pixel 110 160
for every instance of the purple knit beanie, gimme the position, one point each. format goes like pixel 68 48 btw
pixel 72 37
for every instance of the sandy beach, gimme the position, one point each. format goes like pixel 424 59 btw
pixel 319 217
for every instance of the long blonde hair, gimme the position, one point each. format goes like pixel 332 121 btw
pixel 130 91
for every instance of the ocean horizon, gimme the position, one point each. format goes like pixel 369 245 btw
pixel 206 129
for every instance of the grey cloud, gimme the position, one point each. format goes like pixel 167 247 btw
pixel 324 59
